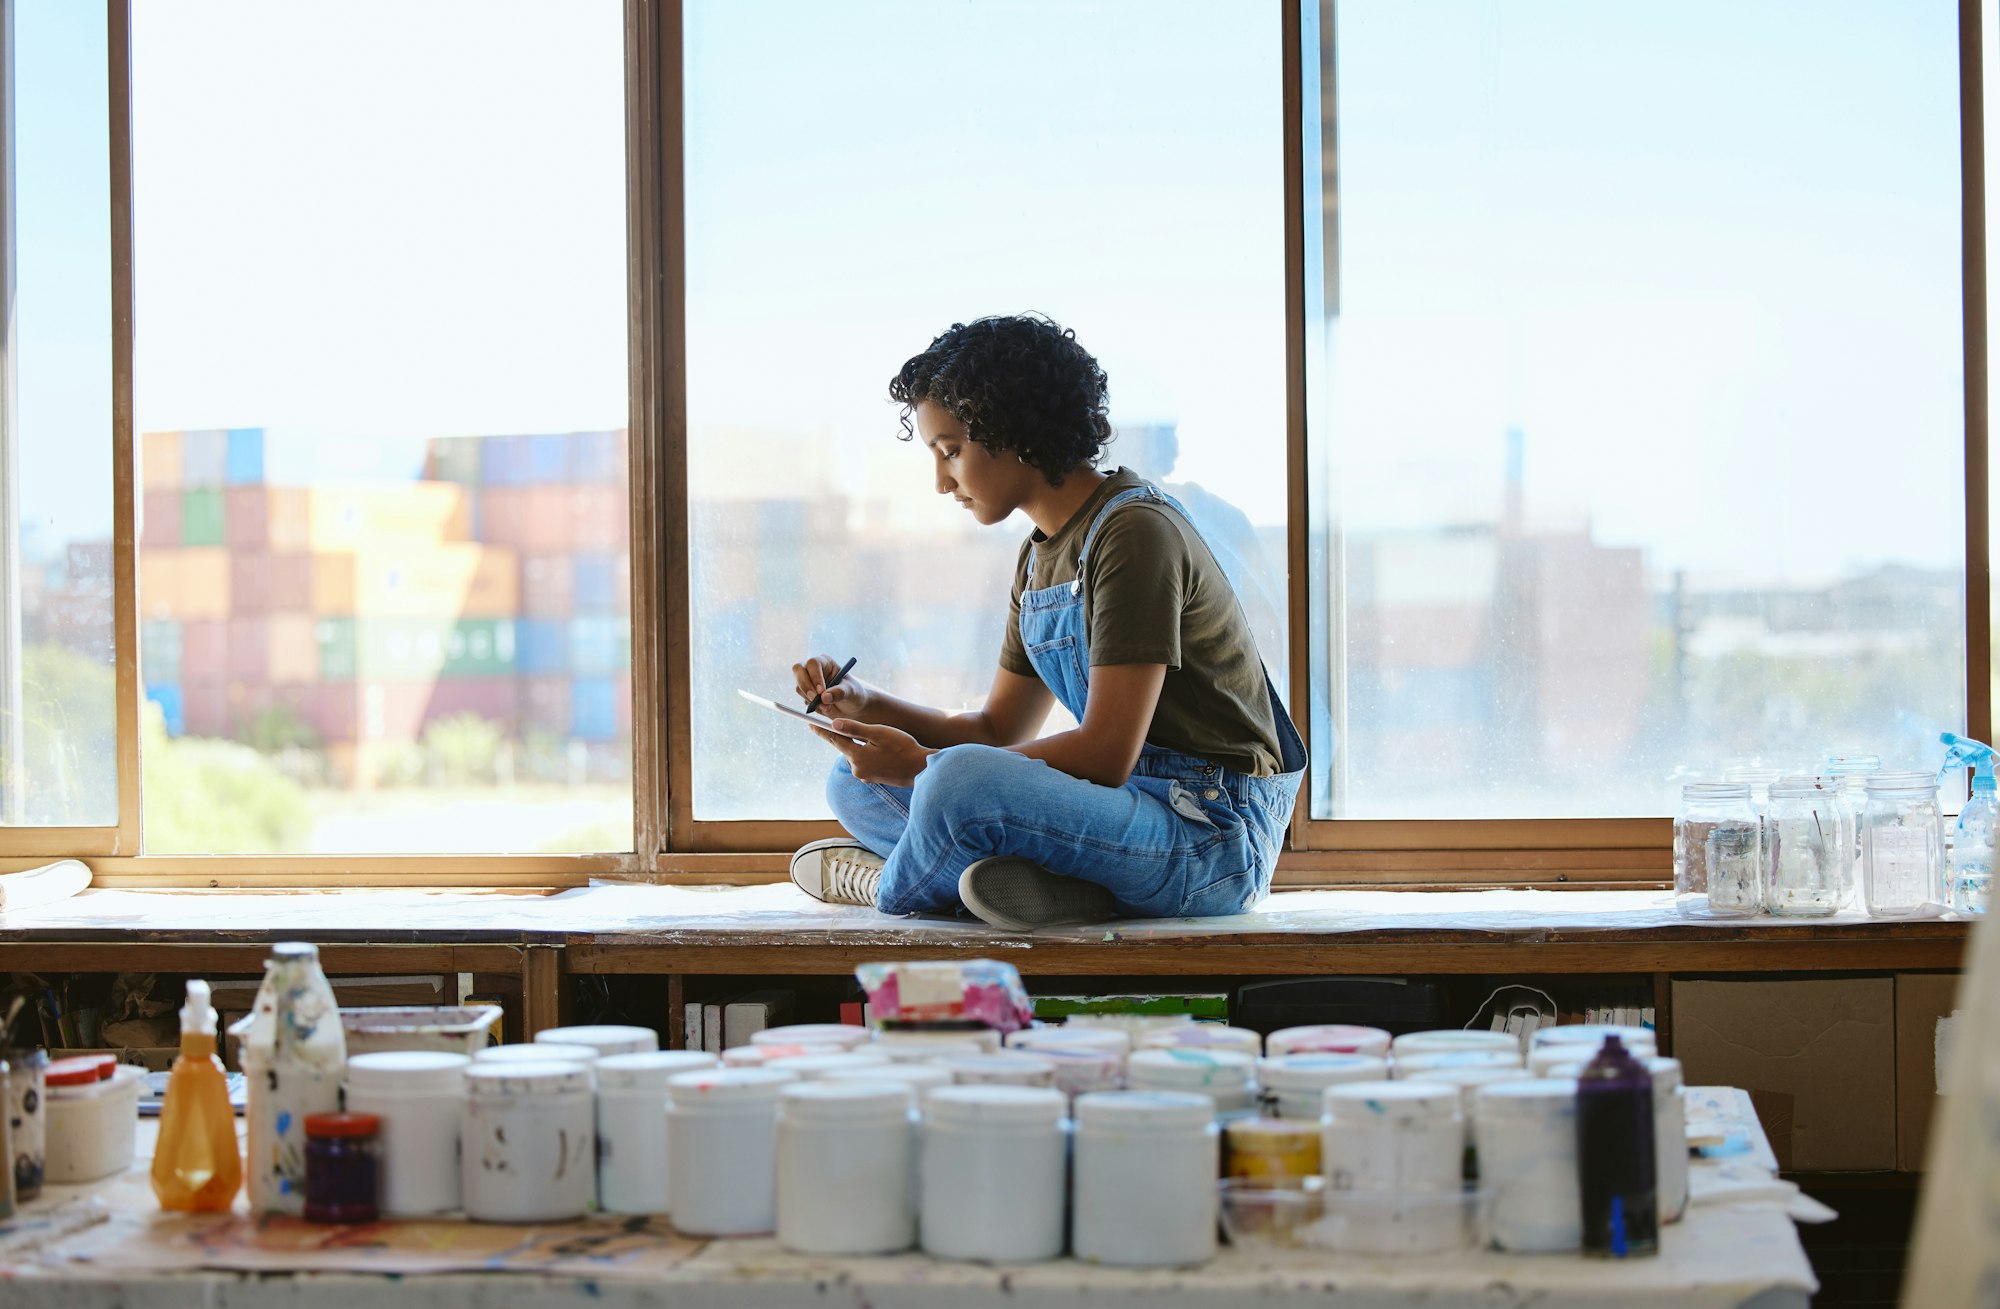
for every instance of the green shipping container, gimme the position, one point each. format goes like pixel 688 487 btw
pixel 337 656
pixel 455 459
pixel 201 517
pixel 402 649
pixel 480 647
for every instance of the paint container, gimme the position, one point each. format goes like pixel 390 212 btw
pixel 1294 1085
pixel 1584 1039
pixel 418 1096
pixel 757 1056
pixel 722 1145
pixel 1204 1036
pixel 536 1053
pixel 1469 1081
pixel 1454 1039
pixel 812 1067
pixel 294 1053
pixel 1328 1038
pixel 926 1052
pixel 900 1040
pixel 1526 1134
pixel 25 1093
pixel 1146 1166
pixel 1008 1068
pixel 1415 1065
pixel 992 1161
pixel 1228 1077
pixel 529 1142
pixel 1615 1136
pixel 1112 1040
pixel 922 1079
pixel 1080 1069
pixel 93 1118
pixel 1403 1143
pixel 343 1168
pixel 846 1168
pixel 632 1127
pixel 1281 1153
pixel 1670 1144
pixel 605 1039
pixel 844 1035
pixel 1568 1060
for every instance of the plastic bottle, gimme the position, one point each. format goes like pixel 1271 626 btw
pixel 1971 888
pixel 195 1165
pixel 1615 1163
pixel 293 1055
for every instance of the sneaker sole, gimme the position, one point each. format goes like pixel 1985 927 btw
pixel 1017 895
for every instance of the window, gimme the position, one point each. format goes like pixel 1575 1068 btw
pixel 384 556
pixel 1639 379
pixel 892 168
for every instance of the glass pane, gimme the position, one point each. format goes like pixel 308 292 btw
pixel 58 696
pixel 382 389
pixel 1642 401
pixel 861 176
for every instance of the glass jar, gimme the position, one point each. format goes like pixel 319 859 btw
pixel 1806 862
pixel 1902 844
pixel 1853 770
pixel 342 1168
pixel 1718 855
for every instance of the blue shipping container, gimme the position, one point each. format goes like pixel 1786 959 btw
pixel 541 646
pixel 597 456
pixel 504 462
pixel 168 697
pixel 593 716
pixel 599 646
pixel 595 584
pixel 244 462
pixel 204 458
pixel 548 460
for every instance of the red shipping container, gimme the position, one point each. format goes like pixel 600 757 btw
pixel 249 645
pixel 204 648
pixel 246 516
pixel 546 525
pixel 162 529
pixel 333 709
pixel 597 518
pixel 545 704
pixel 503 515
pixel 393 711
pixel 205 705
pixel 249 581
pixel 291 580
pixel 496 699
pixel 548 586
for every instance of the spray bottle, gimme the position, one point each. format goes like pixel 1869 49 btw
pixel 1972 851
pixel 196 1166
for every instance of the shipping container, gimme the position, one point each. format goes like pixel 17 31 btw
pixel 542 646
pixel 248 641
pixel 160 461
pixel 332 591
pixel 201 583
pixel 247 702
pixel 338 657
pixel 593 715
pixel 548 460
pixel 244 461
pixel 201 516
pixel 595 518
pixel 501 513
pixel 621 700
pixel 496 699
pixel 596 587
pixel 160 652
pixel 333 709
pixel 159 583
pixel 599 646
pixel 205 706
pixel 168 697
pixel 545 704
pixel 547 586
pixel 400 649
pixel 393 711
pixel 275 517
pixel 545 524
pixel 249 581
pixel 444 580
pixel 160 523
pixel 504 461
pixel 598 457
pixel 378 517
pixel 291 580
pixel 204 648
pixel 292 652
pixel 204 460
pixel 480 647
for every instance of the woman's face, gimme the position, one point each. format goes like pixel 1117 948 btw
pixel 989 485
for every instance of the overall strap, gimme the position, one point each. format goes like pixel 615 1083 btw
pixel 1144 491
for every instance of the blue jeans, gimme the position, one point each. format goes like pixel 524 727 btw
pixel 1180 838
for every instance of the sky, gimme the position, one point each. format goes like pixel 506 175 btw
pixel 1704 256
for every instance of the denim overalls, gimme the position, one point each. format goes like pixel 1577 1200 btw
pixel 1182 837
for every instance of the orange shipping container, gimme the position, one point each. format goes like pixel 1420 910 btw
pixel 277 517
pixel 350 518
pixel 162 530
pixel 203 583
pixel 292 652
pixel 160 461
pixel 159 583
pixel 333 588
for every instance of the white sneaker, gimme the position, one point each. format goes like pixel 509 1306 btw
pixel 838 871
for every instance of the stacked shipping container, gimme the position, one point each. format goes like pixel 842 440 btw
pixel 494 582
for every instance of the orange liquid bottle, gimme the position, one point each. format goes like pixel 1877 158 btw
pixel 197 1165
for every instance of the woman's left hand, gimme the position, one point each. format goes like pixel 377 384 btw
pixel 877 753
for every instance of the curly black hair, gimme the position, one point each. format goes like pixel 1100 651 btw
pixel 1018 383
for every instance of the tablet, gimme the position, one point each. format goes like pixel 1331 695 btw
pixel 817 720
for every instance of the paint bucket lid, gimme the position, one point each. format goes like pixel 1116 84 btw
pixel 603 1038
pixel 727 1086
pixel 845 1035
pixel 919 1077
pixel 535 1053
pixel 1456 1038
pixel 1328 1038
pixel 1012 1068
pixel 1192 1070
pixel 1666 1071
pixel 1592 1035
pixel 647 1071
pixel 1469 1080
pixel 407 1070
pixel 510 1077
pixel 846 1101
pixel 1391 1101
pixel 995 1106
pixel 923 1052
pixel 1532 1098
pixel 1204 1036
pixel 1112 1039
pixel 1143 1111
pixel 810 1067
pixel 1312 1072
pixel 1410 1065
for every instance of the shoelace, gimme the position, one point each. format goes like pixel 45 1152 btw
pixel 851 882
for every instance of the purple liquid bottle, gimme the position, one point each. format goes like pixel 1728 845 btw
pixel 1614 1137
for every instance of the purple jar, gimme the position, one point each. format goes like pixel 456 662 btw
pixel 342 1168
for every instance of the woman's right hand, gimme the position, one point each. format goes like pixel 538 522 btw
pixel 852 698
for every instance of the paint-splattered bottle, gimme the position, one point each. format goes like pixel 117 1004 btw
pixel 1614 1137
pixel 293 1054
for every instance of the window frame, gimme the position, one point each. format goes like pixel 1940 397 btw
pixel 669 844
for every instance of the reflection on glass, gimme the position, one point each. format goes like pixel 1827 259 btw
pixel 58 700
pixel 860 176
pixel 1639 412
pixel 384 562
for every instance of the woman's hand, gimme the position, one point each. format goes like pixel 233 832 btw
pixel 852 698
pixel 877 753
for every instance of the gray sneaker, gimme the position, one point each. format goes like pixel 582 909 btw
pixel 1018 896
pixel 838 871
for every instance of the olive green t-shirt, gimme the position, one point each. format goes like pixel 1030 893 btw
pixel 1153 594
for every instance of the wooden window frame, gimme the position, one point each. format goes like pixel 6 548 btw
pixel 670 844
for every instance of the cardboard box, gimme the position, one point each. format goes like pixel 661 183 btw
pixel 1923 1002
pixel 1818 1058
